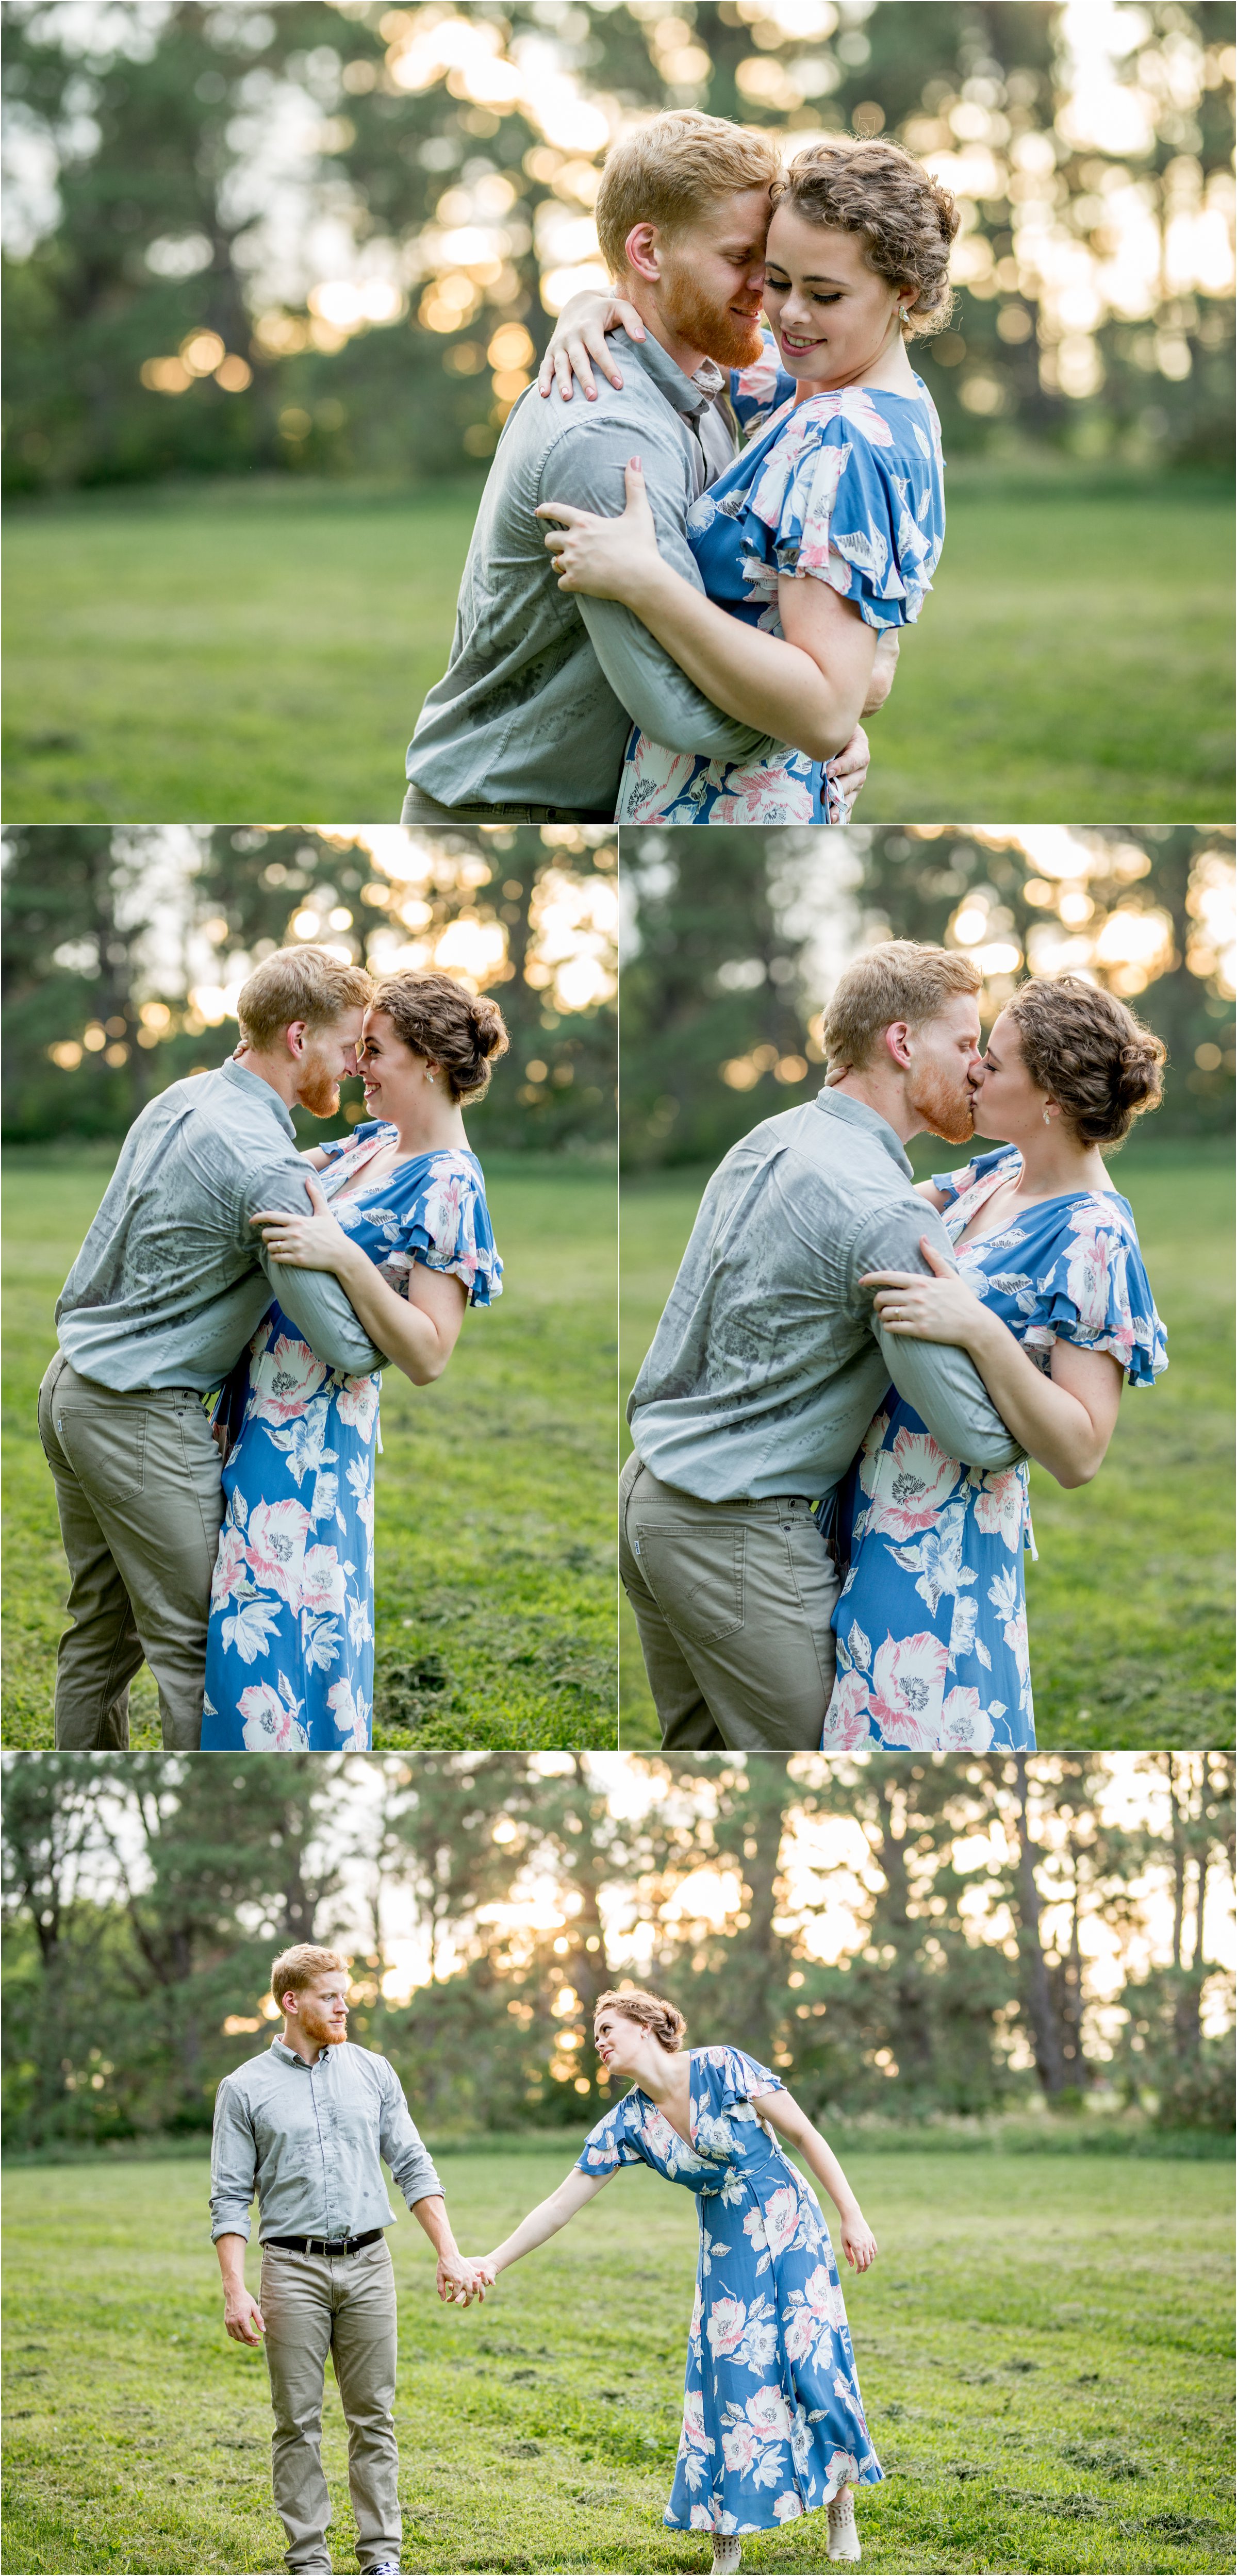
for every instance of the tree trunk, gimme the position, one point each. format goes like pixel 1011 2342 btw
pixel 1045 2030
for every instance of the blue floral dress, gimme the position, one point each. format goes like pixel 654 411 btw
pixel 773 2423
pixel 931 1625
pixel 844 487
pixel 290 1643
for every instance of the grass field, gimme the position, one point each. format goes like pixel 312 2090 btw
pixel 1040 2347
pixel 214 653
pixel 1129 1605
pixel 495 1524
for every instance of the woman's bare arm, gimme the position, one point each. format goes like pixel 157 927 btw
pixel 546 2219
pixel 791 2121
pixel 929 1191
pixel 417 1332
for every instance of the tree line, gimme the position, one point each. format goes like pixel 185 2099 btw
pixel 144 1898
pixel 156 242
pixel 731 938
pixel 94 1027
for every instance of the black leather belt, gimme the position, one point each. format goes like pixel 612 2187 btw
pixel 325 2244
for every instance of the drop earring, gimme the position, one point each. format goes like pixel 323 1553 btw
pixel 1047 1119
pixel 429 1078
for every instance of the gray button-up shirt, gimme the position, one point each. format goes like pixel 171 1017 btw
pixel 172 1280
pixel 769 1362
pixel 544 685
pixel 307 2140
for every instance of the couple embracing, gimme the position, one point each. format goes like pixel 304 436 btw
pixel 686 587
pixel 825 1515
pixel 773 2424
pixel 211 1416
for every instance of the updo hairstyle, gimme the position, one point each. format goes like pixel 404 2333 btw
pixel 653 2013
pixel 856 184
pixel 1089 1053
pixel 440 1019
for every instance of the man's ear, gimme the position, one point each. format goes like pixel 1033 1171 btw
pixel 295 1035
pixel 897 1041
pixel 641 250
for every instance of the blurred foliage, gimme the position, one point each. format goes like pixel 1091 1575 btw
pixel 731 945
pixel 1004 1927
pixel 124 950
pixel 334 232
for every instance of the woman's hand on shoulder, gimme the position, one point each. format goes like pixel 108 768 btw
pixel 580 334
pixel 938 1309
pixel 316 1241
pixel 857 2242
pixel 606 558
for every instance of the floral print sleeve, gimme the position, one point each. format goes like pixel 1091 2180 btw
pixel 1073 1271
pixel 837 500
pixel 1094 1291
pixel 432 1211
pixel 741 2078
pixel 615 2141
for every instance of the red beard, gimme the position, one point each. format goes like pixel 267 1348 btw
pixel 946 1108
pixel 319 1091
pixel 731 339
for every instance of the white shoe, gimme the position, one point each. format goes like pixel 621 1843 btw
pixel 843 2536
pixel 727 2552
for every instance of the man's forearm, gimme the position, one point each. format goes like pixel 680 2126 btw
pixel 947 1392
pixel 231 2253
pixel 320 1310
pixel 658 696
pixel 431 2214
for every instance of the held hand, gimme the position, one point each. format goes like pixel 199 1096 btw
pixel 458 2282
pixel 313 1242
pixel 580 334
pixel 849 767
pixel 939 1309
pixel 241 2315
pixel 858 2242
pixel 888 647
pixel 606 558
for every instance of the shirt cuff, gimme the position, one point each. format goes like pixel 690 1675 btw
pixel 236 2225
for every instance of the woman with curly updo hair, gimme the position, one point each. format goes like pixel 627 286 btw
pixel 399 1215
pixel 1052 1302
pixel 773 2423
pixel 820 541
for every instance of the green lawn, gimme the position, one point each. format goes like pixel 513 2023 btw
pixel 217 653
pixel 495 1526
pixel 1073 664
pixel 1040 2348
pixel 1130 1603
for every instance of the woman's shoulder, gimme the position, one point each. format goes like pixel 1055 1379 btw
pixel 1089 1216
pixel 445 1166
pixel 371 1131
pixel 734 2072
pixel 1004 1159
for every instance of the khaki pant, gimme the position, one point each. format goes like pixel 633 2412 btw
pixel 140 1503
pixel 344 2305
pixel 733 1603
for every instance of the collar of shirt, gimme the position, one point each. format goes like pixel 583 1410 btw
pixel 260 1091
pixel 689 394
pixel 292 2056
pixel 856 1113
